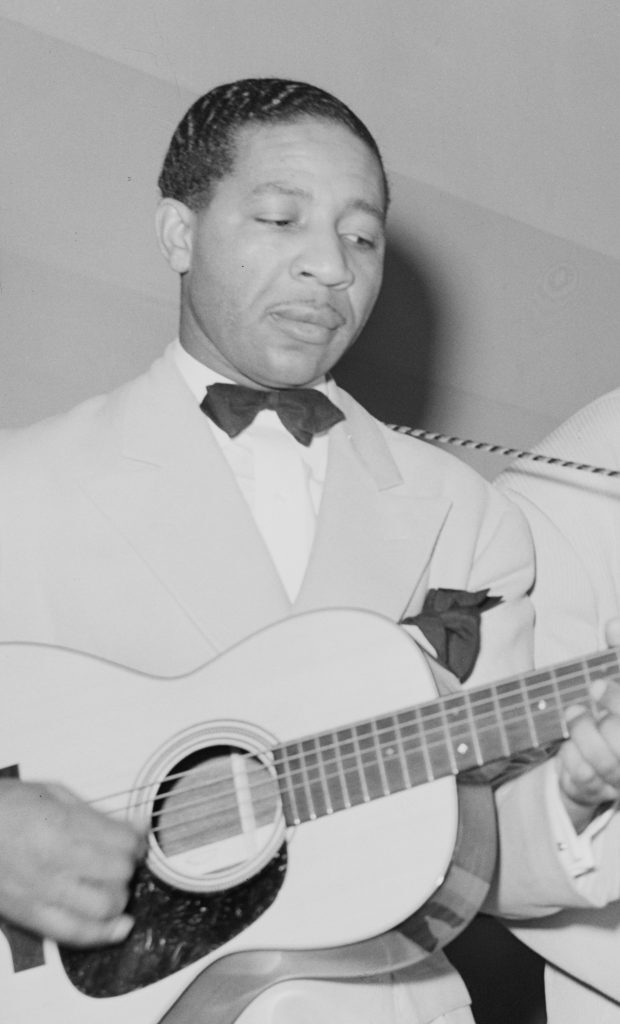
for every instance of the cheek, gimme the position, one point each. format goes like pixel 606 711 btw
pixel 239 284
pixel 214 285
pixel 365 295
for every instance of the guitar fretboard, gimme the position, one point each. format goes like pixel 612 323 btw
pixel 331 771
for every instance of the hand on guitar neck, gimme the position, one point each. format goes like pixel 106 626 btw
pixel 588 763
pixel 64 867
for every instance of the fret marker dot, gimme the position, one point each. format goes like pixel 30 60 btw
pixel 390 751
pixel 462 748
pixel 542 705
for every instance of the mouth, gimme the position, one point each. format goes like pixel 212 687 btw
pixel 306 323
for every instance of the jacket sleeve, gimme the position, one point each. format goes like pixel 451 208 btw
pixel 575 523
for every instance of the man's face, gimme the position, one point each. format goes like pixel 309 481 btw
pixel 287 258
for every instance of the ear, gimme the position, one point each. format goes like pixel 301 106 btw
pixel 174 223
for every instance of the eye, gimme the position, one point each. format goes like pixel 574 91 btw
pixel 278 222
pixel 360 241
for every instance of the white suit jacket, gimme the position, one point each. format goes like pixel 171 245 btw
pixel 123 533
pixel 575 521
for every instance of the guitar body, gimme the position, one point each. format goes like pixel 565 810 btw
pixel 261 883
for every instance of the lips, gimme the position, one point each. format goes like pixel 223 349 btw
pixel 301 313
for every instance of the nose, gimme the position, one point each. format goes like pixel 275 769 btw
pixel 323 258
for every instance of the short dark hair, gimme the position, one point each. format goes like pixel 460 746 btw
pixel 203 148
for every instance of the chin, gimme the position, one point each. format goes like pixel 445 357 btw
pixel 294 373
pixel 303 381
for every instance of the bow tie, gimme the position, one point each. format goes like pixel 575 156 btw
pixel 303 411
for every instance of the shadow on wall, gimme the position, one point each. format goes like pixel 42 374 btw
pixel 389 369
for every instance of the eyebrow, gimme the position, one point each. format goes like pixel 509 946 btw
pixel 283 189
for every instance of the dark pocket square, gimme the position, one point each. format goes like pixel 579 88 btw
pixel 450 621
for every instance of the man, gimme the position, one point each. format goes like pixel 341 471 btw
pixel 138 529
pixel 575 521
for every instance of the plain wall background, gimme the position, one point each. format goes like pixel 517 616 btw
pixel 499 127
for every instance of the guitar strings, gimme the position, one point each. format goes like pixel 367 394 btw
pixel 195 827
pixel 202 821
pixel 219 790
pixel 433 721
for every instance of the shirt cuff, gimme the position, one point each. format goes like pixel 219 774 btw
pixel 576 851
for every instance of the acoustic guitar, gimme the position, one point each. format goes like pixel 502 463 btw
pixel 306 802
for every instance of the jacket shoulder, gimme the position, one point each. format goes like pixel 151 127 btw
pixel 57 445
pixel 433 469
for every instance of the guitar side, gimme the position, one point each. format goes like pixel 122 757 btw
pixel 348 876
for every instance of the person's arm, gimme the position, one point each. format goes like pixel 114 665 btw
pixel 533 878
pixel 573 516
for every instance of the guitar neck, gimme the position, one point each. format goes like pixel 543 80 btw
pixel 331 771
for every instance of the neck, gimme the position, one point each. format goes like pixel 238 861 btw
pixel 449 736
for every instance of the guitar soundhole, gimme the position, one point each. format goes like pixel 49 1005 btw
pixel 216 816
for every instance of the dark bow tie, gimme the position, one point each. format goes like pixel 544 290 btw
pixel 303 411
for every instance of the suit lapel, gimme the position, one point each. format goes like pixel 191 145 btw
pixel 375 533
pixel 170 461
pixel 374 539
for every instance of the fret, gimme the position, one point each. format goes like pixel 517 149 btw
pixel 379 751
pixel 364 793
pixel 399 742
pixel 439 750
pixel 323 776
pixel 472 728
pixel 528 713
pixel 447 737
pixel 545 708
pixel 513 715
pixel 559 702
pixel 461 735
pixel 302 793
pixel 304 783
pixel 318 797
pixel 284 765
pixel 572 684
pixel 333 772
pixel 487 725
pixel 390 751
pixel 503 736
pixel 347 752
pixel 371 768
pixel 490 736
pixel 424 746
pixel 415 748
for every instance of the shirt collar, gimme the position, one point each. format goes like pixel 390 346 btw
pixel 198 377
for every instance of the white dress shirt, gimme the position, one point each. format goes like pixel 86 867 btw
pixel 281 479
